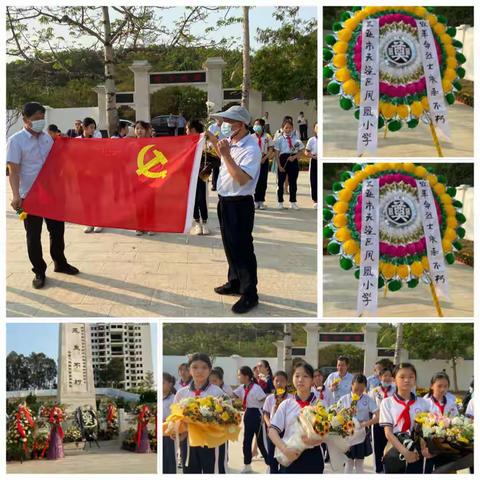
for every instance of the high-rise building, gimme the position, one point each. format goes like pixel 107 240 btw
pixel 130 341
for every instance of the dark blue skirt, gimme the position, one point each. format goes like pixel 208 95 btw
pixel 361 450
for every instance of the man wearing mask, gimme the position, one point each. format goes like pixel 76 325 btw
pixel 340 382
pixel 27 151
pixel 237 179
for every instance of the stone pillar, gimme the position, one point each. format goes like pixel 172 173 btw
pixel 214 67
pixel 370 356
pixel 280 352
pixel 102 107
pixel 123 424
pixel 76 387
pixel 313 342
pixel 141 95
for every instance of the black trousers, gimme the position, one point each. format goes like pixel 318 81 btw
pixel 261 187
pixel 236 217
pixel 171 131
pixel 303 132
pixel 215 173
pixel 169 460
pixel 379 443
pixel 206 460
pixel 272 461
pixel 291 171
pixel 314 179
pixel 56 229
pixel 310 461
pixel 252 421
pixel 180 131
pixel 200 209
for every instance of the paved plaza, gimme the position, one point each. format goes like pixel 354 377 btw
pixel 169 275
pixel 109 458
pixel 340 294
pixel 340 135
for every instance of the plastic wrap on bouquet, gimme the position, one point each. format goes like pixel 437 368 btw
pixel 338 445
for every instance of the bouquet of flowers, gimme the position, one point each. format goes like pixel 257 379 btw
pixel 108 427
pixel 445 435
pixel 72 434
pixel 145 415
pixel 41 438
pixel 20 433
pixel 313 424
pixel 211 421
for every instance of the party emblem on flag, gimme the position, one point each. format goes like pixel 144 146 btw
pixel 416 66
pixel 418 226
pixel 149 168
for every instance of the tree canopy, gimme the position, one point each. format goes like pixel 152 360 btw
pixel 36 371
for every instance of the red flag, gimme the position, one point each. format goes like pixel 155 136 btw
pixel 132 183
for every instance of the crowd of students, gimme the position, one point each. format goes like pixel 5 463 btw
pixel 386 408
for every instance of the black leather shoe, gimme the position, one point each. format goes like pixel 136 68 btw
pixel 67 269
pixel 245 304
pixel 38 281
pixel 226 289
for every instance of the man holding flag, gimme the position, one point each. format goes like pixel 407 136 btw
pixel 27 151
pixel 236 184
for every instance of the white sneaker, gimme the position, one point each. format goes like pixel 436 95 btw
pixel 88 230
pixel 205 229
pixel 197 229
pixel 257 205
pixel 139 233
pixel 315 206
pixel 150 233
pixel 97 229
pixel 247 469
pixel 280 206
pixel 294 206
pixel 262 206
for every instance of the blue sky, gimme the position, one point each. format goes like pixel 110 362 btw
pixel 43 337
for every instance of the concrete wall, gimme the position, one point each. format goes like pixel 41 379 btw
pixel 230 365
pixel 51 394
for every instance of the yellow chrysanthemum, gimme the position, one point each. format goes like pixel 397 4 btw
pixel 452 221
pixel 350 247
pixel 416 108
pixel 351 87
pixel 345 195
pixel 425 263
pixel 439 188
pixel 420 171
pixel 387 109
pixel 340 220
pixel 425 104
pixel 446 245
pixel 432 179
pixel 388 270
pixel 340 47
pixel 416 268
pixel 402 271
pixel 344 35
pixel 450 234
pixel 350 184
pixel 343 234
pixel 402 111
pixel 339 60
pixel 408 167
pixel 340 207
pixel 343 74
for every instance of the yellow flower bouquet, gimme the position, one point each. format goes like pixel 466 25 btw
pixel 209 421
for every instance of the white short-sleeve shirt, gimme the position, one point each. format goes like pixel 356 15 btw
pixel 390 411
pixel 324 395
pixel 269 406
pixel 264 142
pixel 365 406
pixel 227 389
pixel 469 409
pixel 343 388
pixel 255 398
pixel 181 384
pixel 312 145
pixel 29 152
pixel 188 392
pixel 167 403
pixel 450 405
pixel 286 415
pixel 378 395
pixel 247 156
pixel 282 145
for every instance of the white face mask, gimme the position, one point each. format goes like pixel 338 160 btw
pixel 226 129
pixel 38 125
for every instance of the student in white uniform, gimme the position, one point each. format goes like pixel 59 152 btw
pixel 265 144
pixel 287 150
pixel 324 394
pixel 169 463
pixel 272 402
pixel 367 415
pixel 27 151
pixel 441 404
pixel 340 382
pixel 185 378
pixel 252 396
pixel 397 415
pixel 238 177
pixel 384 390
pixel 374 380
pixel 311 459
pixel 311 152
pixel 202 459
pixel 216 378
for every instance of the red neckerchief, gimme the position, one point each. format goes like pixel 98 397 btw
pixel 245 395
pixel 385 391
pixel 289 140
pixel 184 384
pixel 259 138
pixel 405 415
pixel 198 391
pixel 304 403
pixel 322 389
pixel 439 405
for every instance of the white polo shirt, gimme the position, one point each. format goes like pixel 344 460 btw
pixel 378 395
pixel 255 398
pixel 269 406
pixel 365 406
pixel 30 152
pixel 247 156
pixel 264 142
pixel 188 392
pixel 324 395
pixel 180 384
pixel 450 405
pixel 343 388
pixel 282 145
pixel 390 411
pixel 312 144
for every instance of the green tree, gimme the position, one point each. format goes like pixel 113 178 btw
pixel 189 100
pixel 37 371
